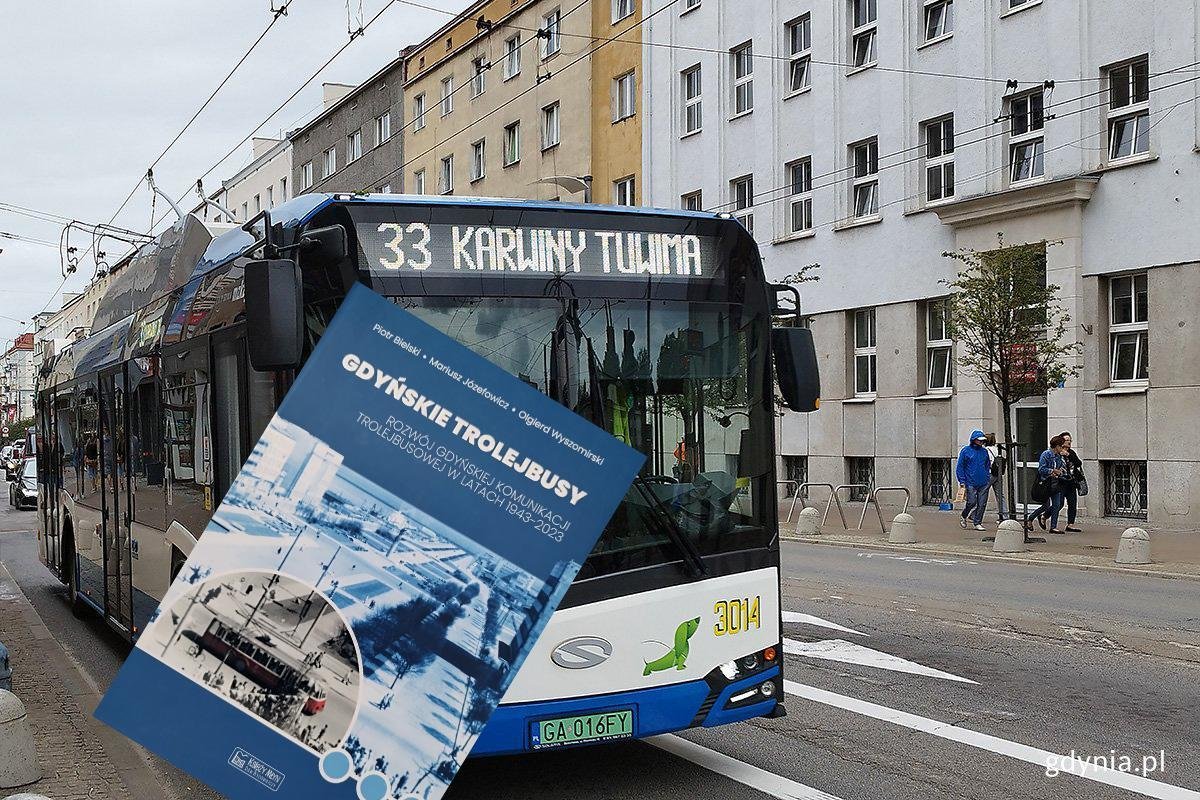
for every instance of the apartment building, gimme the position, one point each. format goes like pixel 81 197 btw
pixel 355 144
pixel 870 138
pixel 512 98
pixel 17 379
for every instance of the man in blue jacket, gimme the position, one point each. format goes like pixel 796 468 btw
pixel 974 472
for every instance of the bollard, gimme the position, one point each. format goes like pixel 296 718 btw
pixel 5 669
pixel 1010 537
pixel 809 523
pixel 18 758
pixel 1134 547
pixel 904 530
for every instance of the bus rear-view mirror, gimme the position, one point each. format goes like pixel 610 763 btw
pixel 327 244
pixel 796 368
pixel 274 314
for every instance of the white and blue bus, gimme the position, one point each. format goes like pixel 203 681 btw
pixel 656 325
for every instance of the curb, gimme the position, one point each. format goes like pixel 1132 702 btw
pixel 1086 567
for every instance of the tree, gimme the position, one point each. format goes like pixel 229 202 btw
pixel 1009 328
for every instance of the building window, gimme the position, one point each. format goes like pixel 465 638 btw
pixel 624 97
pixel 283 187
pixel 306 175
pixel 939 19
pixel 692 201
pixel 795 471
pixel 1026 122
pixel 1129 109
pixel 383 128
pixel 512 57
pixel 864 187
pixel 257 203
pixel 800 202
pixel 742 66
pixel 550 33
pixel 1124 489
pixel 621 9
pixel 742 190
pixel 446 176
pixel 354 146
pixel 938 347
pixel 479 69
pixel 477 160
pixel 693 107
pixel 329 162
pixel 799 39
pixel 860 472
pixel 688 5
pixel 447 95
pixel 384 189
pixel 419 112
pixel 862 36
pixel 864 353
pixel 512 143
pixel 1128 328
pixel 418 186
pixel 623 192
pixel 1017 3
pixel 270 197
pixel 939 159
pixel 551 129
pixel 937 480
pixel 245 212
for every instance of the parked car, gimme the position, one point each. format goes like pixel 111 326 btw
pixel 23 492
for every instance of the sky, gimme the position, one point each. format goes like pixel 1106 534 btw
pixel 92 91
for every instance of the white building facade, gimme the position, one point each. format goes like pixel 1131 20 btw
pixel 872 137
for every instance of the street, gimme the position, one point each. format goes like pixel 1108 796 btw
pixel 907 678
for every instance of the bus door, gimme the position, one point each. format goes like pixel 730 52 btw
pixel 47 461
pixel 114 457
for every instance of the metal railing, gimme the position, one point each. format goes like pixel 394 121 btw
pixel 837 501
pixel 801 495
pixel 875 499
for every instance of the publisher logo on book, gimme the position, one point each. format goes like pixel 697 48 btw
pixel 257 769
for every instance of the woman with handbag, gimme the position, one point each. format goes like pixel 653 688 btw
pixel 1052 471
pixel 1076 485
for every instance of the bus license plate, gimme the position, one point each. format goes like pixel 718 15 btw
pixel 561 731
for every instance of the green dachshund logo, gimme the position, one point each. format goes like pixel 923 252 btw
pixel 677 657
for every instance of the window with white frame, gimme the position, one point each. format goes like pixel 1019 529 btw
pixel 478 158
pixel 742 190
pixel 939 159
pixel 799 174
pixel 270 197
pixel 418 184
pixel 864 186
pixel 864 352
pixel 621 9
pixel 246 211
pixel 329 162
pixel 306 175
pixel 1129 109
pixel 551 33
pixel 447 95
pixel 383 128
pixel 939 360
pixel 692 201
pixel 624 96
pixel 512 143
pixel 693 106
pixel 799 42
pixel 741 63
pixel 862 35
pixel 1027 120
pixel 283 195
pixel 1128 328
pixel 419 112
pixel 939 19
pixel 479 68
pixel 446 176
pixel 354 146
pixel 551 126
pixel 512 56
pixel 623 192
pixel 257 203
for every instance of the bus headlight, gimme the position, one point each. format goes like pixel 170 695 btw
pixel 767 689
pixel 749 662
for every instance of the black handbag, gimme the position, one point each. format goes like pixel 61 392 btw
pixel 1040 490
pixel 1081 487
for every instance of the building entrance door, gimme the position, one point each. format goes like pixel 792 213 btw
pixel 1029 422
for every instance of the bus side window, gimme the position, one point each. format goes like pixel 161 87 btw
pixel 146 448
pixel 188 439
pixel 88 442
pixel 68 452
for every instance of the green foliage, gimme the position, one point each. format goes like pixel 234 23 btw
pixel 16 430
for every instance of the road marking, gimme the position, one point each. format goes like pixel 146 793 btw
pixel 854 653
pixel 916 559
pixel 740 771
pixel 994 744
pixel 809 619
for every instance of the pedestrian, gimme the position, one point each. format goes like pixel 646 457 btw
pixel 999 467
pixel 974 474
pixel 1052 470
pixel 1076 483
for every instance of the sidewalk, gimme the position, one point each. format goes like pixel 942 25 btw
pixel 1175 554
pixel 81 758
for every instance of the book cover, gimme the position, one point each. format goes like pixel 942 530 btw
pixel 375 576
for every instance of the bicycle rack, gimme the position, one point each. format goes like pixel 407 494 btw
pixel 802 496
pixel 792 507
pixel 874 498
pixel 838 502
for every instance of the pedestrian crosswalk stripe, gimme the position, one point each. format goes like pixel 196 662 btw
pixel 740 771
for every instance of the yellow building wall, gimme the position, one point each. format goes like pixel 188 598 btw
pixel 616 146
